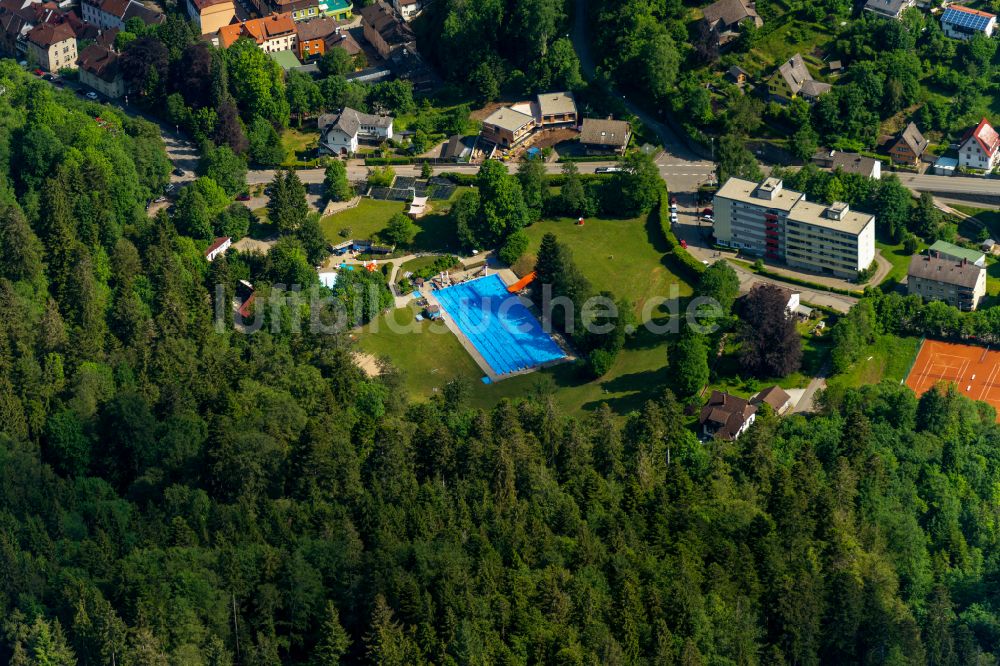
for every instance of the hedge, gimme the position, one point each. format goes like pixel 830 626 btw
pixel 692 266
pixel 805 283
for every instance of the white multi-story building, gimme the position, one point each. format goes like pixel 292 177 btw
pixel 767 220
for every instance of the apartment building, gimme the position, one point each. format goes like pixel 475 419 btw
pixel 767 220
pixel 53 46
pixel 958 283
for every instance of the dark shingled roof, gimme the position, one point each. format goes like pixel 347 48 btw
pixel 726 413
pixel 604 132
pixel 949 271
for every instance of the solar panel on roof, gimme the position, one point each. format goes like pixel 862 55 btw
pixel 965 19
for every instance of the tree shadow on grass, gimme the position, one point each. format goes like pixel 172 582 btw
pixel 637 387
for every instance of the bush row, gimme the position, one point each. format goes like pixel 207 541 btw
pixel 764 272
pixel 692 266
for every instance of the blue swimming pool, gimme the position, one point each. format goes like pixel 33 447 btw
pixel 501 328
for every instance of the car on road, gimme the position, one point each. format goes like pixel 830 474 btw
pixel 179 172
pixel 92 96
pixel 243 197
pixel 607 170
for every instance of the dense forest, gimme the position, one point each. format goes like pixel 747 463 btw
pixel 173 493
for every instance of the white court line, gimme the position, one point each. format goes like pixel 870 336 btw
pixel 989 382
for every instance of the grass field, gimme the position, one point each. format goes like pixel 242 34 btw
pixel 625 257
pixel 430 356
pixel 622 256
pixel 364 220
pixel 888 359
pixel 434 231
pixel 298 145
pixel 899 259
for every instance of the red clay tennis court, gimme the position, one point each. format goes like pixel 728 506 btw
pixel 974 370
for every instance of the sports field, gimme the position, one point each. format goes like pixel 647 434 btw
pixel 974 370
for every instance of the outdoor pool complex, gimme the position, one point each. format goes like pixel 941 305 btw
pixel 506 334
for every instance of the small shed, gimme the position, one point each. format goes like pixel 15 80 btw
pixel 836 66
pixel 990 246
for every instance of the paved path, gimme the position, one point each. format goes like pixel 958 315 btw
pixel 807 403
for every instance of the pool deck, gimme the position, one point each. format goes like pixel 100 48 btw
pixel 506 276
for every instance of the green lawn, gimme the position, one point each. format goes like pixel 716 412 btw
pixel 364 220
pixel 434 230
pixel 430 355
pixel 625 257
pixel 889 358
pixel 299 145
pixel 899 259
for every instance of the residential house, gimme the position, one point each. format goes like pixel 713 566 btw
pixel 384 29
pixel 890 9
pixel 99 70
pixel 768 220
pixel 211 15
pixel 849 163
pixel 53 47
pixel 107 14
pixel 958 283
pixel 274 33
pixel 556 109
pixel 304 10
pixel 408 9
pixel 601 137
pixel 792 79
pixel 316 37
pixel 721 20
pixel 980 148
pixel 909 147
pixel 14 28
pixel 960 22
pixel 726 416
pixel 738 75
pixel 510 125
pixel 774 396
pixel 952 252
pixel 218 246
pixel 341 133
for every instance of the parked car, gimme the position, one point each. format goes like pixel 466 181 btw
pixel 92 96
pixel 48 77
pixel 243 197
pixel 707 218
pixel 159 199
pixel 39 72
pixel 169 188
pixel 179 172
pixel 684 243
pixel 673 218
pixel 707 212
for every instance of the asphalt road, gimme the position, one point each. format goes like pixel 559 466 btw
pixel 951 184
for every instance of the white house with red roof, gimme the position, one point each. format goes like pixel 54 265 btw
pixel 980 148
pixel 218 246
pixel 959 22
